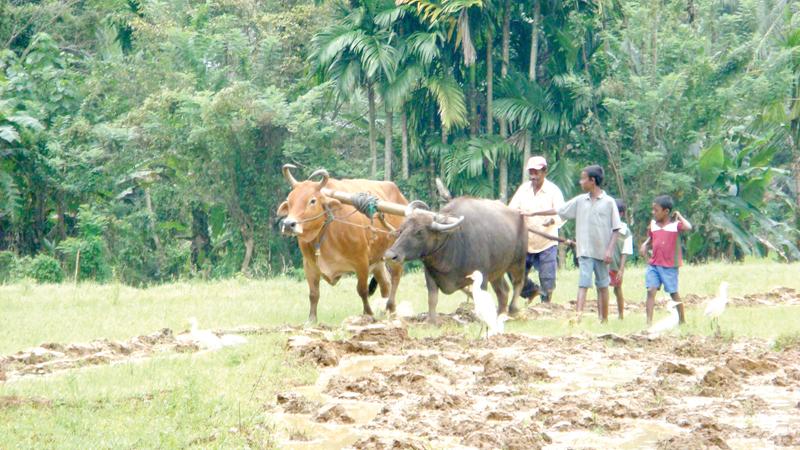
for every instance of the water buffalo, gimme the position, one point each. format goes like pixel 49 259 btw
pixel 488 236
pixel 335 238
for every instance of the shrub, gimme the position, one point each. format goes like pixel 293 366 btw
pixel 8 263
pixel 45 269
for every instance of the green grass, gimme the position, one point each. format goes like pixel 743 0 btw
pixel 196 400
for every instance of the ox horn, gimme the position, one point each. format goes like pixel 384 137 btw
pixel 414 205
pixel 324 174
pixel 288 175
pixel 436 226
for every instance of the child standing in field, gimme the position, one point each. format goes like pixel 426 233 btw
pixel 623 249
pixel 597 227
pixel 663 236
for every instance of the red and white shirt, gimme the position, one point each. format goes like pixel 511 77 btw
pixel 666 242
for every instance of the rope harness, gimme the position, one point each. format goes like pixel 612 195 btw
pixel 364 203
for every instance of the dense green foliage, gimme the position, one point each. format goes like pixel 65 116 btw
pixel 143 140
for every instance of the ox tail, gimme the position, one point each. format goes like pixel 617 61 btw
pixel 373 285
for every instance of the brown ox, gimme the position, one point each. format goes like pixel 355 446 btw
pixel 336 239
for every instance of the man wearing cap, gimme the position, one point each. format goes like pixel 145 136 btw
pixel 537 195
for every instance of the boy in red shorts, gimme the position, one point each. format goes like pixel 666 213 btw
pixel 664 236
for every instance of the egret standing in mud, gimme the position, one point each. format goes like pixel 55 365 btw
pixel 668 323
pixel 485 307
pixel 716 306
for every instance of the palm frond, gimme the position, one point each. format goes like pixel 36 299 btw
pixel 425 45
pixel 397 92
pixel 450 99
pixel 387 18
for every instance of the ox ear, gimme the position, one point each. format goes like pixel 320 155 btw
pixel 332 202
pixel 283 210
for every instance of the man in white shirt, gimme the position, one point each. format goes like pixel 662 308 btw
pixel 536 195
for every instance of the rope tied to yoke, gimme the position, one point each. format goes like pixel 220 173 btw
pixel 366 204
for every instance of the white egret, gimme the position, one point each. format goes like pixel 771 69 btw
pixel 716 306
pixel 485 307
pixel 667 323
pixel 208 340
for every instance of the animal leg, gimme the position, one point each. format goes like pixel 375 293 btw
pixel 362 287
pixel 517 276
pixel 501 290
pixel 312 278
pixel 395 272
pixel 433 297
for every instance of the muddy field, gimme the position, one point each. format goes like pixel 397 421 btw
pixel 381 389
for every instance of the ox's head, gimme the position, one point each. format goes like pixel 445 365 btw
pixel 306 208
pixel 420 235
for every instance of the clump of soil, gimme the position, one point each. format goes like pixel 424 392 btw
pixel 787 440
pixel 368 386
pixel 388 443
pixel 333 412
pixel 707 435
pixel 719 381
pixel 294 403
pixel 512 437
pixel 52 357
pixel 499 369
pixel 667 367
pixel 745 366
pixel 320 353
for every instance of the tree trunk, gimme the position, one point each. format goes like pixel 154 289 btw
pixel 404 141
pixel 201 241
pixel 474 120
pixel 537 12
pixel 387 145
pixel 61 225
pixel 489 98
pixel 151 216
pixel 249 243
pixel 441 164
pixel 373 143
pixel 503 73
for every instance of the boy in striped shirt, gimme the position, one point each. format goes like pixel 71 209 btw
pixel 663 236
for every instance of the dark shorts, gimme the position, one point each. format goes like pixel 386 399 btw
pixel 545 262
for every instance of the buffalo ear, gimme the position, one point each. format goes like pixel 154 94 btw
pixel 283 210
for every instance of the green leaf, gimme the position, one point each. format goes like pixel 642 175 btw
pixel 695 245
pixel 26 121
pixel 711 163
pixel 9 134
pixel 753 190
pixel 740 237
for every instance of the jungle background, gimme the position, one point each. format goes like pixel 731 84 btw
pixel 142 141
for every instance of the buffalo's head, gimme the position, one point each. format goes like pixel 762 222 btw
pixel 306 208
pixel 420 235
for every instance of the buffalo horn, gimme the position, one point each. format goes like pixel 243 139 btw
pixel 414 205
pixel 436 226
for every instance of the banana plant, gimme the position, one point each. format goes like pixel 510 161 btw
pixel 729 204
